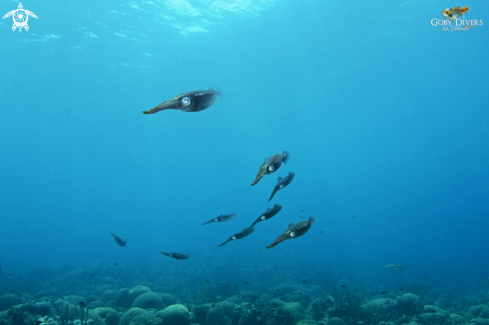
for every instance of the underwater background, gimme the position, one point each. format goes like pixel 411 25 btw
pixel 385 118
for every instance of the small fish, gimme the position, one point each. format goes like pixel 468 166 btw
pixel 239 235
pixel 343 286
pixel 177 256
pixel 221 218
pixel 303 210
pixel 383 292
pixel 395 266
pixel 271 165
pixel 354 217
pixel 401 288
pixel 119 240
pixel 269 213
pixel 282 183
pixel 293 231
pixel 115 264
pixel 304 281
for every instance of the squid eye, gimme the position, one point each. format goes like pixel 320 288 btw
pixel 186 101
pixel 216 220
pixel 281 186
pixel 292 234
pixel 262 218
pixel 271 168
pixel 233 238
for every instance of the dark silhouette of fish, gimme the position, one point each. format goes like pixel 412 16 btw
pixel 268 214
pixel 119 240
pixel 239 235
pixel 294 231
pixel 177 256
pixel 271 165
pixel 221 218
pixel 191 101
pixel 282 183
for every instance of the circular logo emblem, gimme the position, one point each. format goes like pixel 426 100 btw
pixel 20 18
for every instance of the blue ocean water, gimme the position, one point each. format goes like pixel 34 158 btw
pixel 384 115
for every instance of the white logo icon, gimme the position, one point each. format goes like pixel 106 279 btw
pixel 20 17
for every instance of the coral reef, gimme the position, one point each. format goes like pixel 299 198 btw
pixel 175 315
pixel 148 300
pixel 8 300
pixel 135 315
pixel 104 301
pixel 216 316
pixel 336 321
pixel 409 304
